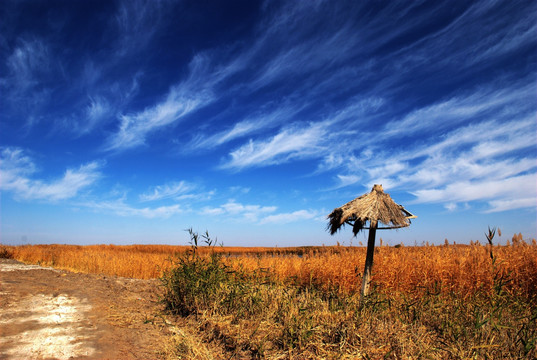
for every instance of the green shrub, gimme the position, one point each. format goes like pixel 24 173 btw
pixel 195 282
pixel 203 283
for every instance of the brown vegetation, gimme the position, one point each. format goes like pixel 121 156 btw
pixel 460 268
pixel 439 302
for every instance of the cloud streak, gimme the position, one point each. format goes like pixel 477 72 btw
pixel 285 218
pixel 258 214
pixel 18 167
pixel 516 189
pixel 27 63
pixel 252 125
pixel 237 210
pixel 290 143
pixel 190 95
pixel 166 191
pixel 119 207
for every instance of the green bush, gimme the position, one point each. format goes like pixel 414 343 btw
pixel 203 283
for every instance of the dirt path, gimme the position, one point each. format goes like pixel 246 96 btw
pixel 54 314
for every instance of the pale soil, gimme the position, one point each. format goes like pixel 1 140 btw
pixel 54 314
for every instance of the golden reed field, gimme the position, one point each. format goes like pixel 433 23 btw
pixel 460 268
pixel 428 302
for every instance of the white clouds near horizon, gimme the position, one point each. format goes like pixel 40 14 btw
pixel 285 218
pixel 120 208
pixel 512 192
pixel 235 209
pixel 258 214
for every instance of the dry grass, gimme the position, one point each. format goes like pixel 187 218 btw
pixel 460 268
pixel 437 302
pixel 253 315
pixel 463 269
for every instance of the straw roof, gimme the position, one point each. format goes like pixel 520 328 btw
pixel 376 205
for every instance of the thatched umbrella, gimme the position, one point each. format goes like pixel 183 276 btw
pixel 373 207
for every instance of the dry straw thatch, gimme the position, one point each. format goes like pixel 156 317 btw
pixel 374 206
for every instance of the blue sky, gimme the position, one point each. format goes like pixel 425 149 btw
pixel 130 121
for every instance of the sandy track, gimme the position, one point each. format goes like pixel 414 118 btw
pixel 52 314
pixel 43 326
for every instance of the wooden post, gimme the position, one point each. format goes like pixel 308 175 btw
pixel 369 258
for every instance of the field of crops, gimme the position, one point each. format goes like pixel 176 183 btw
pixel 440 302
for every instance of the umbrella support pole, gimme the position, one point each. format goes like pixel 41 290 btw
pixel 369 259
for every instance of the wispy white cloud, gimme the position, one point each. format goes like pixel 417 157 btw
pixel 469 148
pixel 477 37
pixel 17 169
pixel 258 213
pixel 25 84
pixel 137 22
pixel 301 140
pixel 251 125
pixel 478 168
pixel 450 206
pixel 285 218
pixel 240 211
pixel 170 190
pixel 15 163
pixel 239 189
pixel 447 114
pixel 388 169
pixel 512 204
pixel 307 56
pixel 97 111
pixel 492 43
pixel 516 187
pixel 290 143
pixel 193 93
pixel 134 128
pixel 26 64
pixel 346 180
pixel 119 207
